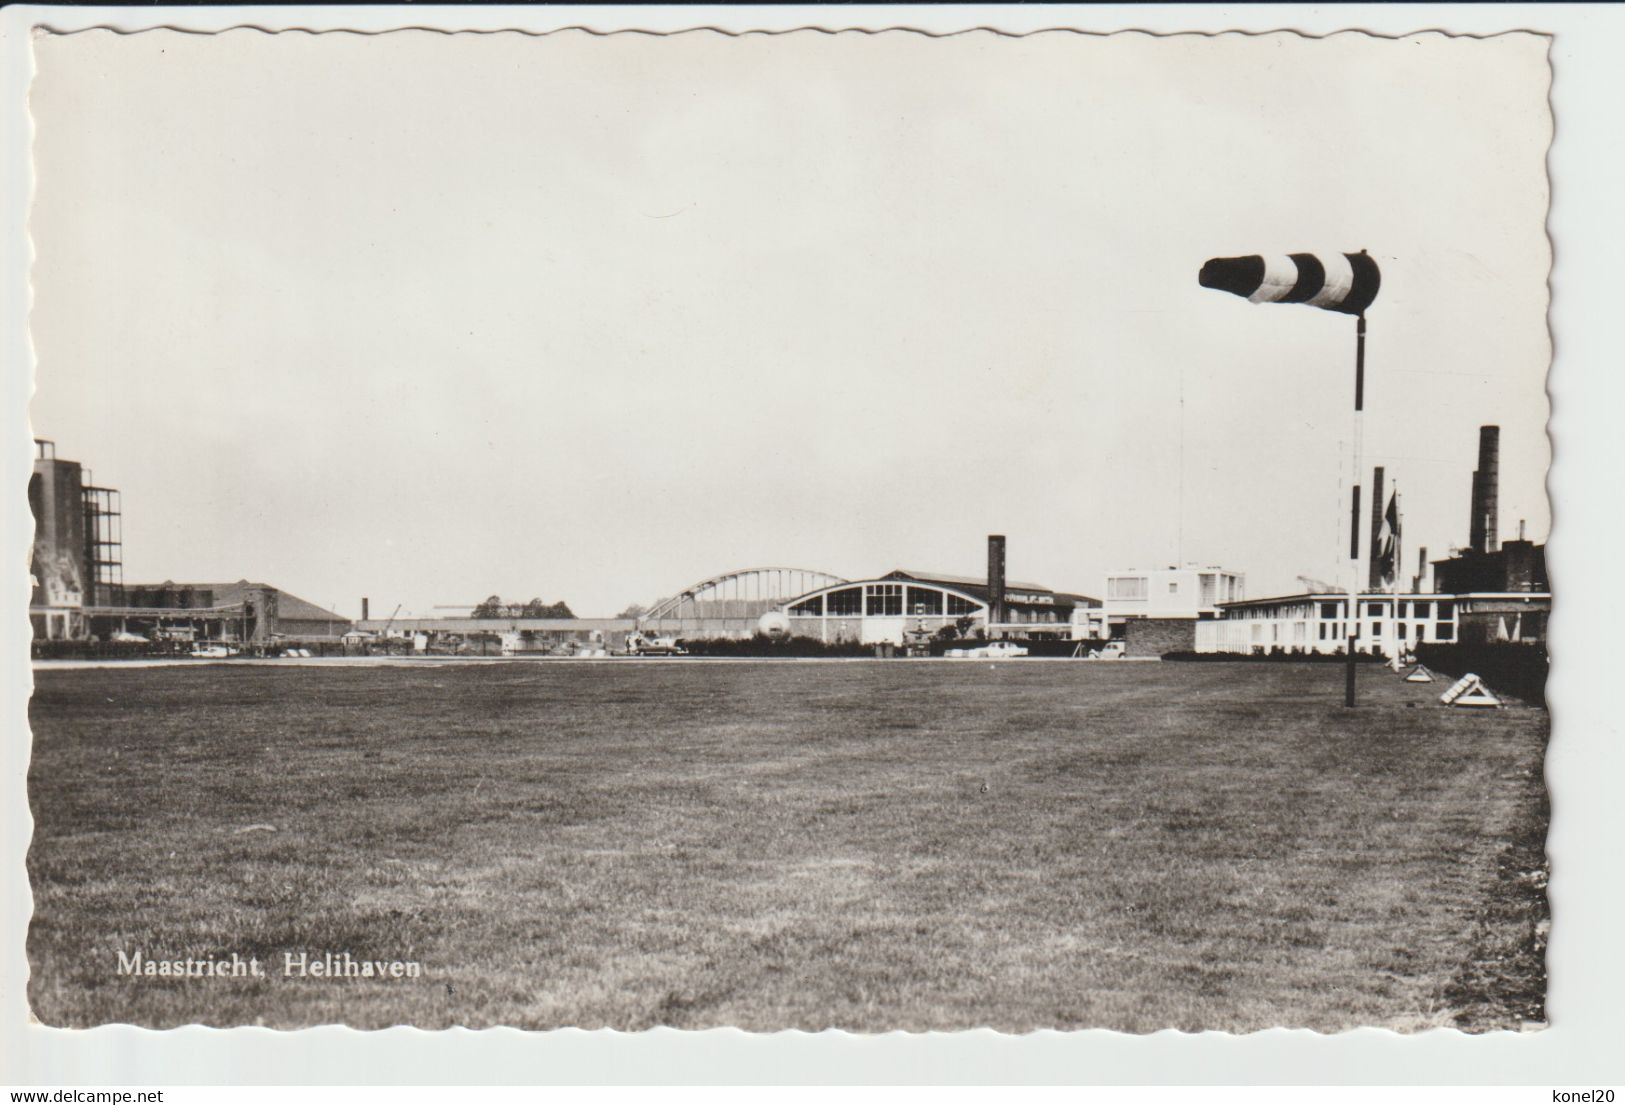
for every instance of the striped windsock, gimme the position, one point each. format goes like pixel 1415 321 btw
pixel 1345 282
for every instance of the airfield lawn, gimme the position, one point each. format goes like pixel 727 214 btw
pixel 867 845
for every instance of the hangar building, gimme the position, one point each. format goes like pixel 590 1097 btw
pixel 905 601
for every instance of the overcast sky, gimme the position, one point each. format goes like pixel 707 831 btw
pixel 424 318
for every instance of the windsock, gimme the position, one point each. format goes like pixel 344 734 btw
pixel 1345 282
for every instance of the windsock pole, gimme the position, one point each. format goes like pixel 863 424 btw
pixel 1354 514
pixel 1343 282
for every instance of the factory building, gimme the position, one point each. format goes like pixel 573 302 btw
pixel 904 603
pixel 1515 567
pixel 1491 591
pixel 77 555
pixel 77 573
pixel 243 611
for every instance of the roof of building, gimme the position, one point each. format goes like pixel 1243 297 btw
pixel 289 607
pixel 971 582
pixel 1204 568
pixel 497 625
pixel 1377 596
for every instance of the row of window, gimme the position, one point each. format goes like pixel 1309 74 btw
pixel 883 600
pixel 1330 611
pixel 1137 588
pixel 1334 631
pixel 1442 631
pixel 1119 588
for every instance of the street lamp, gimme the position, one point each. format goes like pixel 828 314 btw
pixel 1342 282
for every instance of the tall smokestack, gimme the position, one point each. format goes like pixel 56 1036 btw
pixel 1485 533
pixel 1421 570
pixel 1374 576
pixel 363 608
pixel 995 578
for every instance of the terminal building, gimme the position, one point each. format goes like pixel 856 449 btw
pixel 1155 611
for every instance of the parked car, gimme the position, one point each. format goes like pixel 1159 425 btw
pixel 993 650
pixel 213 651
pixel 639 645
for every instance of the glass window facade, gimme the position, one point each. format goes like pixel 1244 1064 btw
pixel 1126 587
pixel 924 600
pixel 845 603
pixel 883 599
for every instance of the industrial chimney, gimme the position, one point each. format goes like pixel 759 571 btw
pixel 363 608
pixel 995 579
pixel 1484 534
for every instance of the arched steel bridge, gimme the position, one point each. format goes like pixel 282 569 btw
pixel 752 585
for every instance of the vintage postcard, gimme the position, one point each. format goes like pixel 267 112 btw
pixel 858 531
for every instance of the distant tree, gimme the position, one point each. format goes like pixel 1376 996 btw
pixel 494 607
pixel 636 610
pixel 536 608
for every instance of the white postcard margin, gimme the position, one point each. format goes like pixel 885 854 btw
pixel 1584 766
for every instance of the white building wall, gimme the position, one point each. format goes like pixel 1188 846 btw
pixel 1316 624
pixel 1170 592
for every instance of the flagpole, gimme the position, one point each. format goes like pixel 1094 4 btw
pixel 1399 560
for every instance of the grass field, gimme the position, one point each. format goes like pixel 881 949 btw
pixel 864 845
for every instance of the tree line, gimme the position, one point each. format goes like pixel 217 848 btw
pixel 494 607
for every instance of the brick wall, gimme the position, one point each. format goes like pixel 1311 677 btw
pixel 1158 636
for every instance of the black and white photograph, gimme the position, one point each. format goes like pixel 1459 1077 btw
pixel 862 531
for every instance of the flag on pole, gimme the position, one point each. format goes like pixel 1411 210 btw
pixel 1388 540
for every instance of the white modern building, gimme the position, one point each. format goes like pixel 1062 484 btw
pixel 1188 592
pixel 1386 622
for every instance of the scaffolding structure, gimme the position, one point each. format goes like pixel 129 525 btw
pixel 104 545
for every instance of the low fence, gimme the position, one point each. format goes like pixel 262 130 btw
pixel 788 648
pixel 1276 654
pixel 147 650
pixel 1036 646
pixel 1517 669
